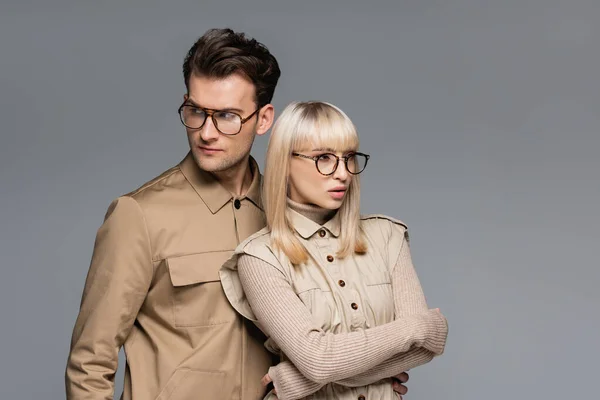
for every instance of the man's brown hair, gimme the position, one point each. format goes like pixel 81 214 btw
pixel 220 53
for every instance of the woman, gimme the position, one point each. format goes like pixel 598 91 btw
pixel 335 292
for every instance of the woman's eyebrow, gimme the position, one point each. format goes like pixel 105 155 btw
pixel 330 150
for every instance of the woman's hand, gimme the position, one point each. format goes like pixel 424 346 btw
pixel 266 380
pixel 398 384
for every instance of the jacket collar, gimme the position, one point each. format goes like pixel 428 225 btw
pixel 307 227
pixel 213 194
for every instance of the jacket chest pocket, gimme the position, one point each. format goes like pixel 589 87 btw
pixel 319 300
pixel 198 298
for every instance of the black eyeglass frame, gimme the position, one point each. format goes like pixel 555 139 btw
pixel 337 161
pixel 209 112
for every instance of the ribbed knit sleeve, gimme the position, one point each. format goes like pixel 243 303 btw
pixel 326 357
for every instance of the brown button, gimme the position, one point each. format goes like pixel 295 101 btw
pixel 341 283
pixel 322 233
pixel 354 306
pixel 361 397
pixel 330 258
pixel 237 204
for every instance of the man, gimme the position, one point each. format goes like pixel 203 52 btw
pixel 153 284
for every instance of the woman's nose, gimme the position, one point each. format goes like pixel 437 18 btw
pixel 341 172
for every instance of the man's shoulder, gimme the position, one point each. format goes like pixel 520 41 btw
pixel 165 195
pixel 159 185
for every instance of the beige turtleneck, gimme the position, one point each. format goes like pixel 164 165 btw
pixel 315 213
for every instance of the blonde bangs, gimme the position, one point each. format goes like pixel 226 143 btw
pixel 324 126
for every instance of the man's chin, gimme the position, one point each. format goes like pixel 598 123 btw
pixel 211 166
pixel 208 164
pixel 216 164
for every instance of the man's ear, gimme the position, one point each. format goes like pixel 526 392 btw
pixel 265 119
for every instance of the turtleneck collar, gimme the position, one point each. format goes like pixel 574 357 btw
pixel 315 213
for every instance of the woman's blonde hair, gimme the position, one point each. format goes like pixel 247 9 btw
pixel 302 125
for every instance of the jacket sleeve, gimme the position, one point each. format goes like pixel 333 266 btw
pixel 117 283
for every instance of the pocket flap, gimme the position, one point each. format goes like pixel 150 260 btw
pixel 196 268
pixel 304 285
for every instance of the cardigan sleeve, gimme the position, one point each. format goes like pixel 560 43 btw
pixel 326 357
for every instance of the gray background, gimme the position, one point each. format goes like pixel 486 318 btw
pixel 482 118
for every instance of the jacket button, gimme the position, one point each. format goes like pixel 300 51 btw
pixel 322 233
pixel 330 258
pixel 354 306
pixel 361 397
pixel 237 204
pixel 341 283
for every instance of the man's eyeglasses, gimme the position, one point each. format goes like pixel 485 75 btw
pixel 226 122
pixel 327 163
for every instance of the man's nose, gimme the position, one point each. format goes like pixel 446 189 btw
pixel 209 131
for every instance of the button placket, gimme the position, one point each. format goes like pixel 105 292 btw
pixel 357 311
pixel 326 253
pixel 332 264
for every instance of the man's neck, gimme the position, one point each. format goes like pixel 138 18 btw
pixel 237 179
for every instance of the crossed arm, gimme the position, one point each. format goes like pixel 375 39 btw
pixel 350 359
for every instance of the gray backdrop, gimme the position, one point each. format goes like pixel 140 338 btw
pixel 481 117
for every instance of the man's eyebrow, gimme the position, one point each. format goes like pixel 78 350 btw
pixel 236 110
pixel 233 109
pixel 192 103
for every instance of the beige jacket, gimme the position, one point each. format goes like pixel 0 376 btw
pixel 153 287
pixel 342 325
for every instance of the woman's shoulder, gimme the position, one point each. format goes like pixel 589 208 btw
pixel 259 239
pixel 379 220
pixel 258 245
pixel 383 226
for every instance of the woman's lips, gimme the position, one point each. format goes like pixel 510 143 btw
pixel 337 193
